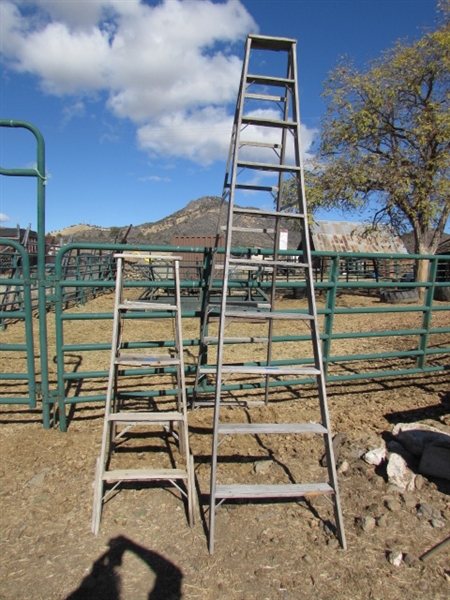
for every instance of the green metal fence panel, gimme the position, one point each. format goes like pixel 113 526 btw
pixel 333 280
pixel 18 385
pixel 39 174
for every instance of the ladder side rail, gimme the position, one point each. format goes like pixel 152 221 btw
pixel 316 343
pixel 110 398
pixel 221 334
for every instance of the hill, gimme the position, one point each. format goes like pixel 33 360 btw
pixel 199 218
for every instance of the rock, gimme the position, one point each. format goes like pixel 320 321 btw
pixel 368 524
pixel 435 462
pixel 393 505
pixel 262 466
pixel 428 512
pixel 395 557
pixel 411 559
pixel 399 474
pixel 415 436
pixel 375 456
pixel 438 523
pixel 382 521
pixel 38 479
pixel 409 500
pixel 344 467
pixel 419 482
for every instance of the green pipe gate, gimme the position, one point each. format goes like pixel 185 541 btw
pixel 62 300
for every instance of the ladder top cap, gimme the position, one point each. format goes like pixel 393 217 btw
pixel 271 42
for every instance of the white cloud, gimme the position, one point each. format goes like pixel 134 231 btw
pixel 3 217
pixel 73 110
pixel 171 66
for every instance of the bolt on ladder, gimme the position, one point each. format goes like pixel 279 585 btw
pixel 264 150
pixel 119 420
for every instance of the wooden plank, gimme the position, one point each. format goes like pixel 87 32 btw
pixel 273 428
pixel 144 306
pixel 142 360
pixel 261 370
pixel 268 263
pixel 143 474
pixel 260 122
pixel 273 491
pixel 146 417
pixel 238 340
pixel 268 97
pixel 267 213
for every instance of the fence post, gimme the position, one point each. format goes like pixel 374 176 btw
pixel 427 313
pixel 39 173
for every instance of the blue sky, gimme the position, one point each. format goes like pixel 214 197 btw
pixel 135 99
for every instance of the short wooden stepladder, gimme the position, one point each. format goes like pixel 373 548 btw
pixel 120 419
pixel 265 153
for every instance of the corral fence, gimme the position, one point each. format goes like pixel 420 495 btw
pixel 337 275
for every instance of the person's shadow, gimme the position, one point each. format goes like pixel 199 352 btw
pixel 104 583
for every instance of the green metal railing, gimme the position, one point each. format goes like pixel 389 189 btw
pixel 39 174
pixel 423 355
pixel 18 284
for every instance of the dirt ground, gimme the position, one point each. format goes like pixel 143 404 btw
pixel 267 550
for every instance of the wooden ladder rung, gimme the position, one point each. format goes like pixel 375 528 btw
pixel 142 360
pixel 237 340
pixel 261 370
pixel 143 474
pixel 145 306
pixel 273 428
pixel 146 417
pixel 272 491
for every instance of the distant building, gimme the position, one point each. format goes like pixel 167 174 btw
pixel 344 236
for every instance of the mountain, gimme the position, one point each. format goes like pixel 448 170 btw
pixel 199 218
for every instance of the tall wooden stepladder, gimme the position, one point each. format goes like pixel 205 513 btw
pixel 264 151
pixel 120 419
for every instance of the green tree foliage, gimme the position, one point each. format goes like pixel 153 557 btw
pixel 385 138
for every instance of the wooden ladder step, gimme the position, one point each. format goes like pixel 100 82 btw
pixel 272 428
pixel 146 417
pixel 268 263
pixel 272 491
pixel 261 370
pixel 257 188
pixel 266 80
pixel 261 122
pixel 245 304
pixel 237 340
pixel 146 360
pixel 139 305
pixel 143 474
pixel 268 97
pixel 263 166
pixel 250 229
pixel 267 213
